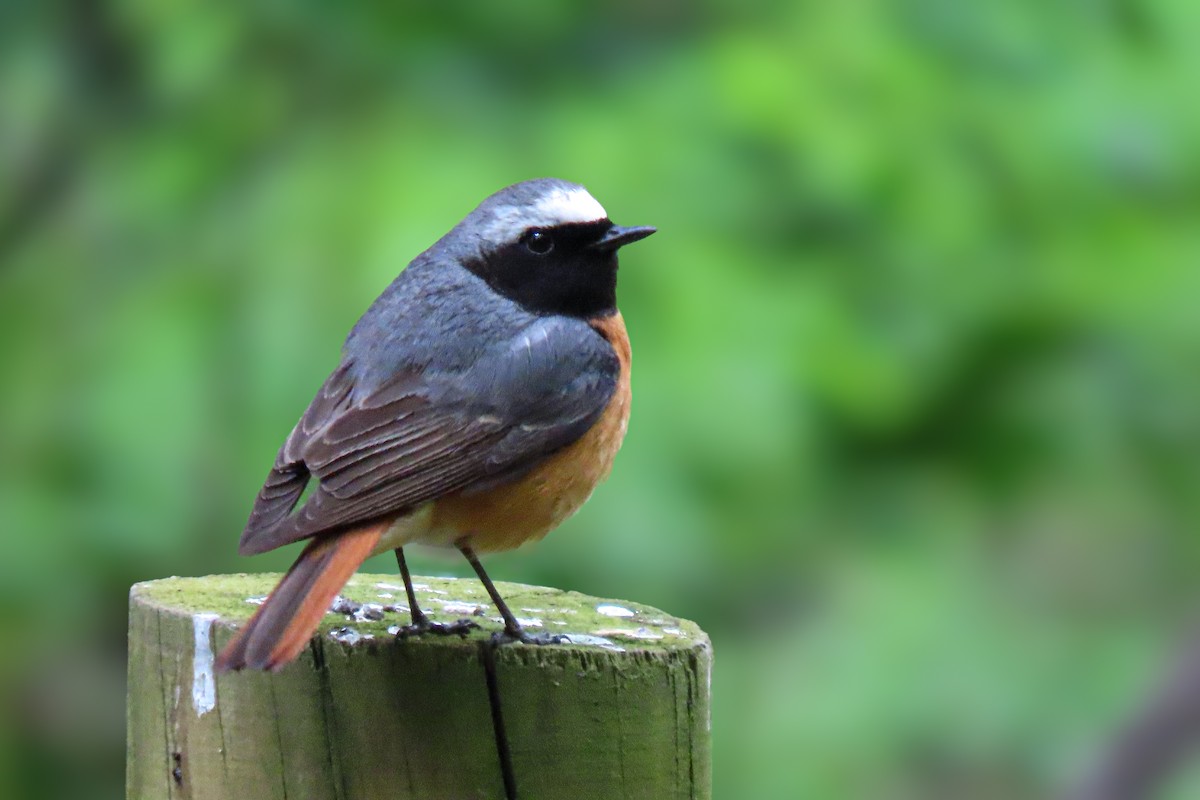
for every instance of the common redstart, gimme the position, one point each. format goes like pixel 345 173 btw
pixel 478 402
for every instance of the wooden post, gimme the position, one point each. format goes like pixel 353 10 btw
pixel 621 711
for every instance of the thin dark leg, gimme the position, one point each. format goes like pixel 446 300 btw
pixel 512 628
pixel 421 623
pixel 419 620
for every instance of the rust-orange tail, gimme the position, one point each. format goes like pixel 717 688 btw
pixel 285 622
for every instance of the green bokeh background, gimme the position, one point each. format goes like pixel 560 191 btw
pixel 916 423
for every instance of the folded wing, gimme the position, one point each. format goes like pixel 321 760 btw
pixel 421 435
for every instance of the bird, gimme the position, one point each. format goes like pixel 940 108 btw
pixel 478 402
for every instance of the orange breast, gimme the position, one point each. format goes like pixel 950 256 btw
pixel 507 516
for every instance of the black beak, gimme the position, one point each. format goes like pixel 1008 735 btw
pixel 616 236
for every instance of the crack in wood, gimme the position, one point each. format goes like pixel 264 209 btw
pixel 488 651
pixel 278 736
pixel 167 716
pixel 325 687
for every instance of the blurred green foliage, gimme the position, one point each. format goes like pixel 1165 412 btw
pixel 915 432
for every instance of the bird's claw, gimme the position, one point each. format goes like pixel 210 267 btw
pixel 510 637
pixel 427 626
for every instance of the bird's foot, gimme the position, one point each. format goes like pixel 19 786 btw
pixel 508 636
pixel 427 626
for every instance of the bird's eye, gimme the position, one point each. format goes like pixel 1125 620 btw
pixel 538 242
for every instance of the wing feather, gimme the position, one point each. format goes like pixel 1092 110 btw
pixel 419 436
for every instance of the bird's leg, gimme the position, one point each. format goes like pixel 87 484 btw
pixel 419 620
pixel 421 623
pixel 512 627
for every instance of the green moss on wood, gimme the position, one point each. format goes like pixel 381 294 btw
pixel 444 600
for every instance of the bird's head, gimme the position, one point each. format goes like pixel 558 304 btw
pixel 546 244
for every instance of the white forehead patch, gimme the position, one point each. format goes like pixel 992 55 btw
pixel 564 206
pixel 560 206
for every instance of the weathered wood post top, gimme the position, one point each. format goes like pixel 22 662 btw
pixel 618 710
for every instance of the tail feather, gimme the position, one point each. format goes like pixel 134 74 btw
pixel 285 622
